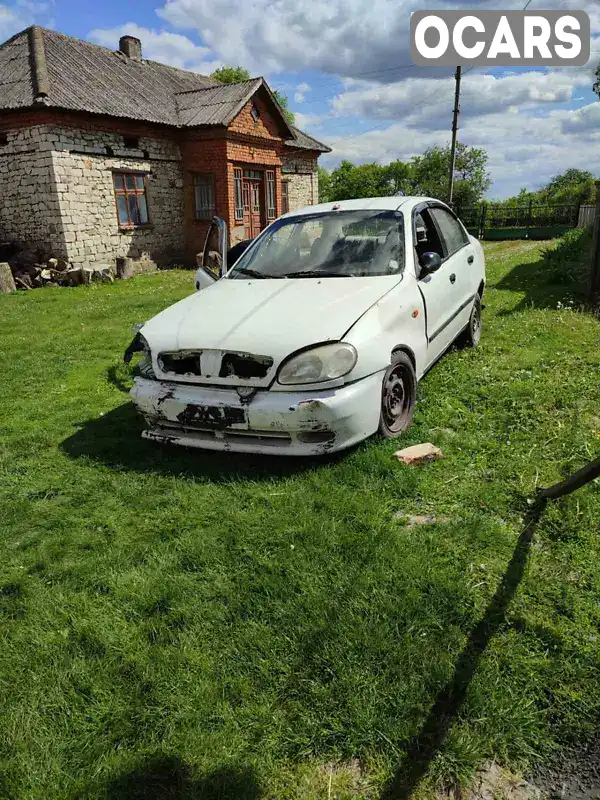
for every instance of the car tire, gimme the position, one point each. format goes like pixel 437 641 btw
pixel 398 396
pixel 472 333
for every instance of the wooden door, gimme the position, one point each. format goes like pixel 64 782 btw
pixel 254 212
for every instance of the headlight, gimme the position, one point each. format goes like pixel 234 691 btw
pixel 324 363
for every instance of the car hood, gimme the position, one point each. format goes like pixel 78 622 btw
pixel 265 317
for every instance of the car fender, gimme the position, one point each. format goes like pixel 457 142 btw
pixel 396 322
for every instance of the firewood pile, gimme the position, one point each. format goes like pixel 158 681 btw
pixel 30 269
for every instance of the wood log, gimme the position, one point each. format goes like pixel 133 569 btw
pixel 125 268
pixel 7 282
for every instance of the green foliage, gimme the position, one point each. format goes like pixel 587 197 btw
pixel 572 187
pixel 424 175
pixel 569 260
pixel 228 74
pixel 429 174
pixel 596 86
pixel 324 184
pixel 238 74
pixel 367 180
pixel 184 624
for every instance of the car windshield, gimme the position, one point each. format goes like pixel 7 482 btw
pixel 334 244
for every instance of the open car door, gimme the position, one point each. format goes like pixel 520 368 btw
pixel 212 261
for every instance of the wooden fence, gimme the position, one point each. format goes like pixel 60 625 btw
pixel 586 216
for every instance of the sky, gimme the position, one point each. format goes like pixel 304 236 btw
pixel 346 69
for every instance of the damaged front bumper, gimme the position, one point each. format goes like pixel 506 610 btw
pixel 278 423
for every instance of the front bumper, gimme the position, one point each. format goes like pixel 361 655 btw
pixel 279 423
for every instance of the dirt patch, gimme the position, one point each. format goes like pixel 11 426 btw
pixel 496 783
pixel 574 774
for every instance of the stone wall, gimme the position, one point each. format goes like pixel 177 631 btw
pixel 300 172
pixel 60 194
pixel 29 205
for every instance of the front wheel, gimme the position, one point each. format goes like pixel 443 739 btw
pixel 398 396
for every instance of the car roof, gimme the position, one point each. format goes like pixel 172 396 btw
pixel 364 204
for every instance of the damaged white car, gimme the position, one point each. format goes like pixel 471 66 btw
pixel 317 337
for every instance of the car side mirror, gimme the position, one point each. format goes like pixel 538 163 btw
pixel 214 255
pixel 430 262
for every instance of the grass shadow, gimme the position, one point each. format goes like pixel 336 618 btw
pixel 422 749
pixel 535 280
pixel 115 440
pixel 168 778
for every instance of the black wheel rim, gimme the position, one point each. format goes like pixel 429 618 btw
pixel 476 323
pixel 396 400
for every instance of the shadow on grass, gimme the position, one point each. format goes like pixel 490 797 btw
pixel 421 751
pixel 168 778
pixel 115 439
pixel 540 289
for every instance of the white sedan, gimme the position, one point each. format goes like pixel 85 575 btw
pixel 318 335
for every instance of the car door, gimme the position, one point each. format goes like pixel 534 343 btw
pixel 438 289
pixel 460 256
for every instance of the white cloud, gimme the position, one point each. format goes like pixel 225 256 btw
pixel 419 101
pixel 17 16
pixel 340 37
pixel 307 120
pixel 168 48
pixel 299 97
pixel 523 150
pixel 303 87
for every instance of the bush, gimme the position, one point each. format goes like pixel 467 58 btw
pixel 568 261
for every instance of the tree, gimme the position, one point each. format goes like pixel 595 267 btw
pixel 367 180
pixel 596 86
pixel 573 187
pixel 228 74
pixel 231 74
pixel 324 185
pixel 430 172
pixel 399 176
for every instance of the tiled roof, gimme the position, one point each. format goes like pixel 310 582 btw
pixel 303 141
pixel 215 105
pixel 42 67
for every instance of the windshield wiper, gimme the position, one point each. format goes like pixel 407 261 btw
pixel 316 273
pixel 253 273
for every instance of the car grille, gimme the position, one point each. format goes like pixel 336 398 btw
pixel 209 364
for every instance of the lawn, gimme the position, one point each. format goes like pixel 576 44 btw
pixel 185 624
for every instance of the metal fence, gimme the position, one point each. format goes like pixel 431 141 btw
pixel 492 221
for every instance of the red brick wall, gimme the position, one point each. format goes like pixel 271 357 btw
pixel 266 127
pixel 90 122
pixel 203 153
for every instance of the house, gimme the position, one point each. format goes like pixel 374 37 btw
pixel 104 154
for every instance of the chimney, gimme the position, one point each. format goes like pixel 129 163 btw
pixel 131 47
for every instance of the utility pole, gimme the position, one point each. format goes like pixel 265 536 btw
pixel 454 130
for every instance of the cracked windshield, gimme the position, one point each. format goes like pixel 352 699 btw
pixel 331 245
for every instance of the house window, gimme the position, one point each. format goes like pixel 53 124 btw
pixel 253 174
pixel 270 184
pixel 239 197
pixel 204 192
pixel 3 139
pixel 131 142
pixel 285 202
pixel 254 111
pixel 130 196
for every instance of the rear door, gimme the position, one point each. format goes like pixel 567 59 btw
pixel 460 256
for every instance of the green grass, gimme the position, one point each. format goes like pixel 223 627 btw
pixel 188 624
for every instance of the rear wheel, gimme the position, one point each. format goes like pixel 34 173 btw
pixel 472 333
pixel 398 396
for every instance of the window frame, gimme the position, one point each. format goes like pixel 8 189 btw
pixel 204 213
pixel 430 206
pixel 285 197
pixel 270 195
pixel 127 193
pixel 238 194
pixel 436 207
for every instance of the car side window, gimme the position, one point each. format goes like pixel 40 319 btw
pixel 427 238
pixel 453 234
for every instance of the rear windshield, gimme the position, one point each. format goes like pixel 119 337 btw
pixel 335 244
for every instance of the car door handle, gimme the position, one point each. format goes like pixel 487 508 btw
pixel 452 278
pixel 470 259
